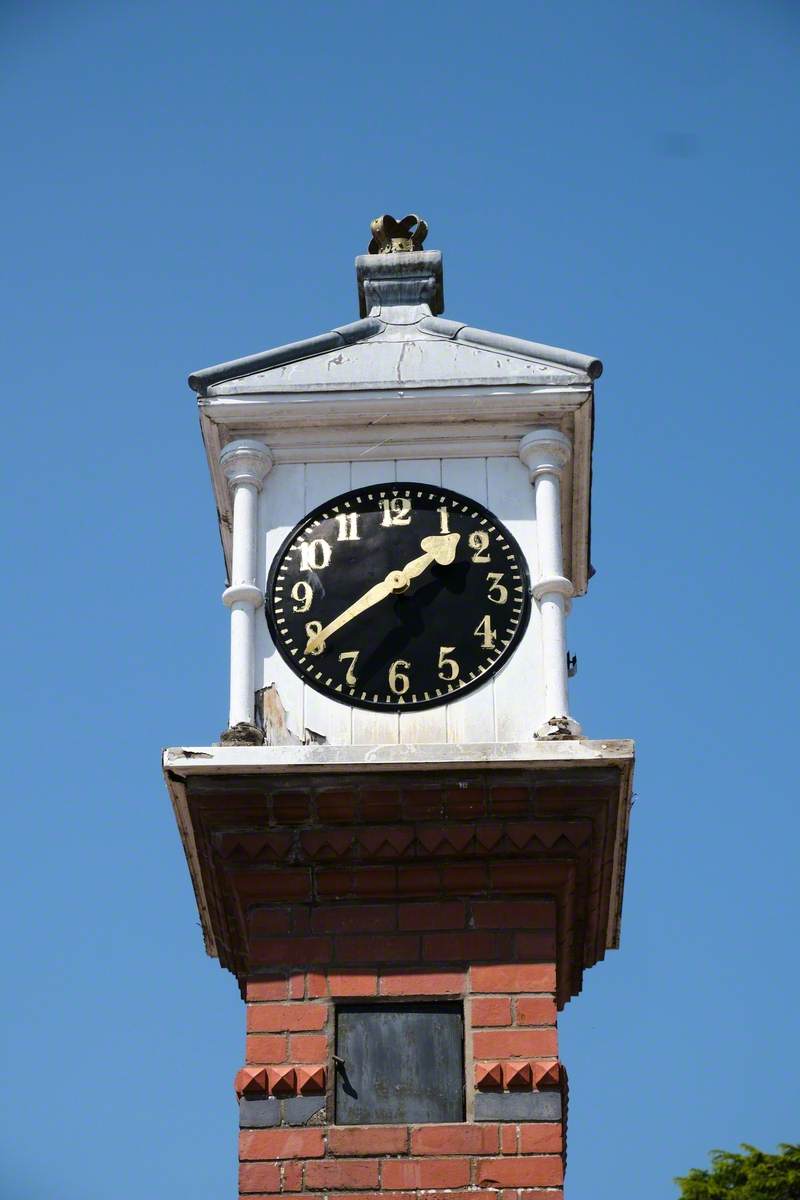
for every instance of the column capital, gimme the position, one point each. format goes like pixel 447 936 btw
pixel 545 450
pixel 246 461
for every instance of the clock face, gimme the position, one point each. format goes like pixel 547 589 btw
pixel 398 596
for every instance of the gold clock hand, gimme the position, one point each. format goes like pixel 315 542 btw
pixel 440 548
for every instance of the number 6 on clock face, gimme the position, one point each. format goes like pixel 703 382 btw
pixel 398 596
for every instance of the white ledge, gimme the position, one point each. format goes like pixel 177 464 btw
pixel 244 760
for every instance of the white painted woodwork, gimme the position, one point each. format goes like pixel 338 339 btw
pixel 245 463
pixel 513 703
pixel 282 498
pixel 545 453
pixel 255 760
pixel 518 697
pixel 404 397
pixel 471 718
pixel 404 354
pixel 422 423
pixel 374 728
pixel 430 725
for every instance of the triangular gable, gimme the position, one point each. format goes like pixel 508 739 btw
pixel 373 353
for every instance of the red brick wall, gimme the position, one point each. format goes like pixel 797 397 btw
pixel 497 955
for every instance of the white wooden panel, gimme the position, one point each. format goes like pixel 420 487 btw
pixel 322 714
pixel 518 700
pixel 430 725
pixel 373 728
pixel 470 719
pixel 280 508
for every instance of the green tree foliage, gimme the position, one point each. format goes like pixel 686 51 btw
pixel 752 1175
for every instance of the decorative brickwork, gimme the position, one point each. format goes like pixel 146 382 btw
pixel 489 889
pixel 436 840
pixel 464 949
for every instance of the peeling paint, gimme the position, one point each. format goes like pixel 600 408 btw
pixel 273 718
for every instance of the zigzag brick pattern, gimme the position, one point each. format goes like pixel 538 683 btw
pixel 410 893
pixel 455 948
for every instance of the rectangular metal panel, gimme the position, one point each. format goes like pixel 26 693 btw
pixel 400 1063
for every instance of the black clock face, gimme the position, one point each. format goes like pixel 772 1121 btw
pixel 399 596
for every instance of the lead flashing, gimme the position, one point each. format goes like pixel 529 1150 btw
pixel 342 335
pixel 590 366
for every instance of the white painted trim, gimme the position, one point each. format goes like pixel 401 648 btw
pixel 545 453
pixel 248 760
pixel 577 484
pixel 420 405
pixel 373 444
pixel 244 464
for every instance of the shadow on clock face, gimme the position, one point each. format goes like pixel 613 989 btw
pixel 412 614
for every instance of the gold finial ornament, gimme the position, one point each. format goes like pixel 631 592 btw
pixel 390 236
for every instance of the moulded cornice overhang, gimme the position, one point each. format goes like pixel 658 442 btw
pixel 573 843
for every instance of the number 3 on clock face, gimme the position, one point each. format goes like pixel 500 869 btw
pixel 399 596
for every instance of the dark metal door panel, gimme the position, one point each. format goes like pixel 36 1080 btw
pixel 402 1063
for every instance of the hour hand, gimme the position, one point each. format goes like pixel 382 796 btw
pixel 316 643
pixel 440 548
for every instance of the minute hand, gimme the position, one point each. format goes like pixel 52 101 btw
pixel 440 548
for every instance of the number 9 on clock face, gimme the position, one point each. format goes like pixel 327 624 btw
pixel 398 596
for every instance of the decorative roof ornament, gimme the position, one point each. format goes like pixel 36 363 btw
pixel 390 236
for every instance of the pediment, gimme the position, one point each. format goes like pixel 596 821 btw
pixel 375 353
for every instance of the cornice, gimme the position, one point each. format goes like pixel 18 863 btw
pixel 568 839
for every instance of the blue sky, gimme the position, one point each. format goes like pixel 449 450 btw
pixel 189 182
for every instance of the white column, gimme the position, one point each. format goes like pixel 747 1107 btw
pixel 545 453
pixel 245 464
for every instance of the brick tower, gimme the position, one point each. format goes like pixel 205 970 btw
pixel 403 847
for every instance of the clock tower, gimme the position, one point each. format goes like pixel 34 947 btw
pixel 403 845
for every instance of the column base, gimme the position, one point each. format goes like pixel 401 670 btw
pixel 242 734
pixel 558 728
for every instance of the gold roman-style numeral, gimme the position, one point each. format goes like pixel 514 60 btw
pixel 498 592
pixel 302 593
pixel 396 511
pixel 484 631
pixel 348 527
pixel 479 541
pixel 314 556
pixel 350 678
